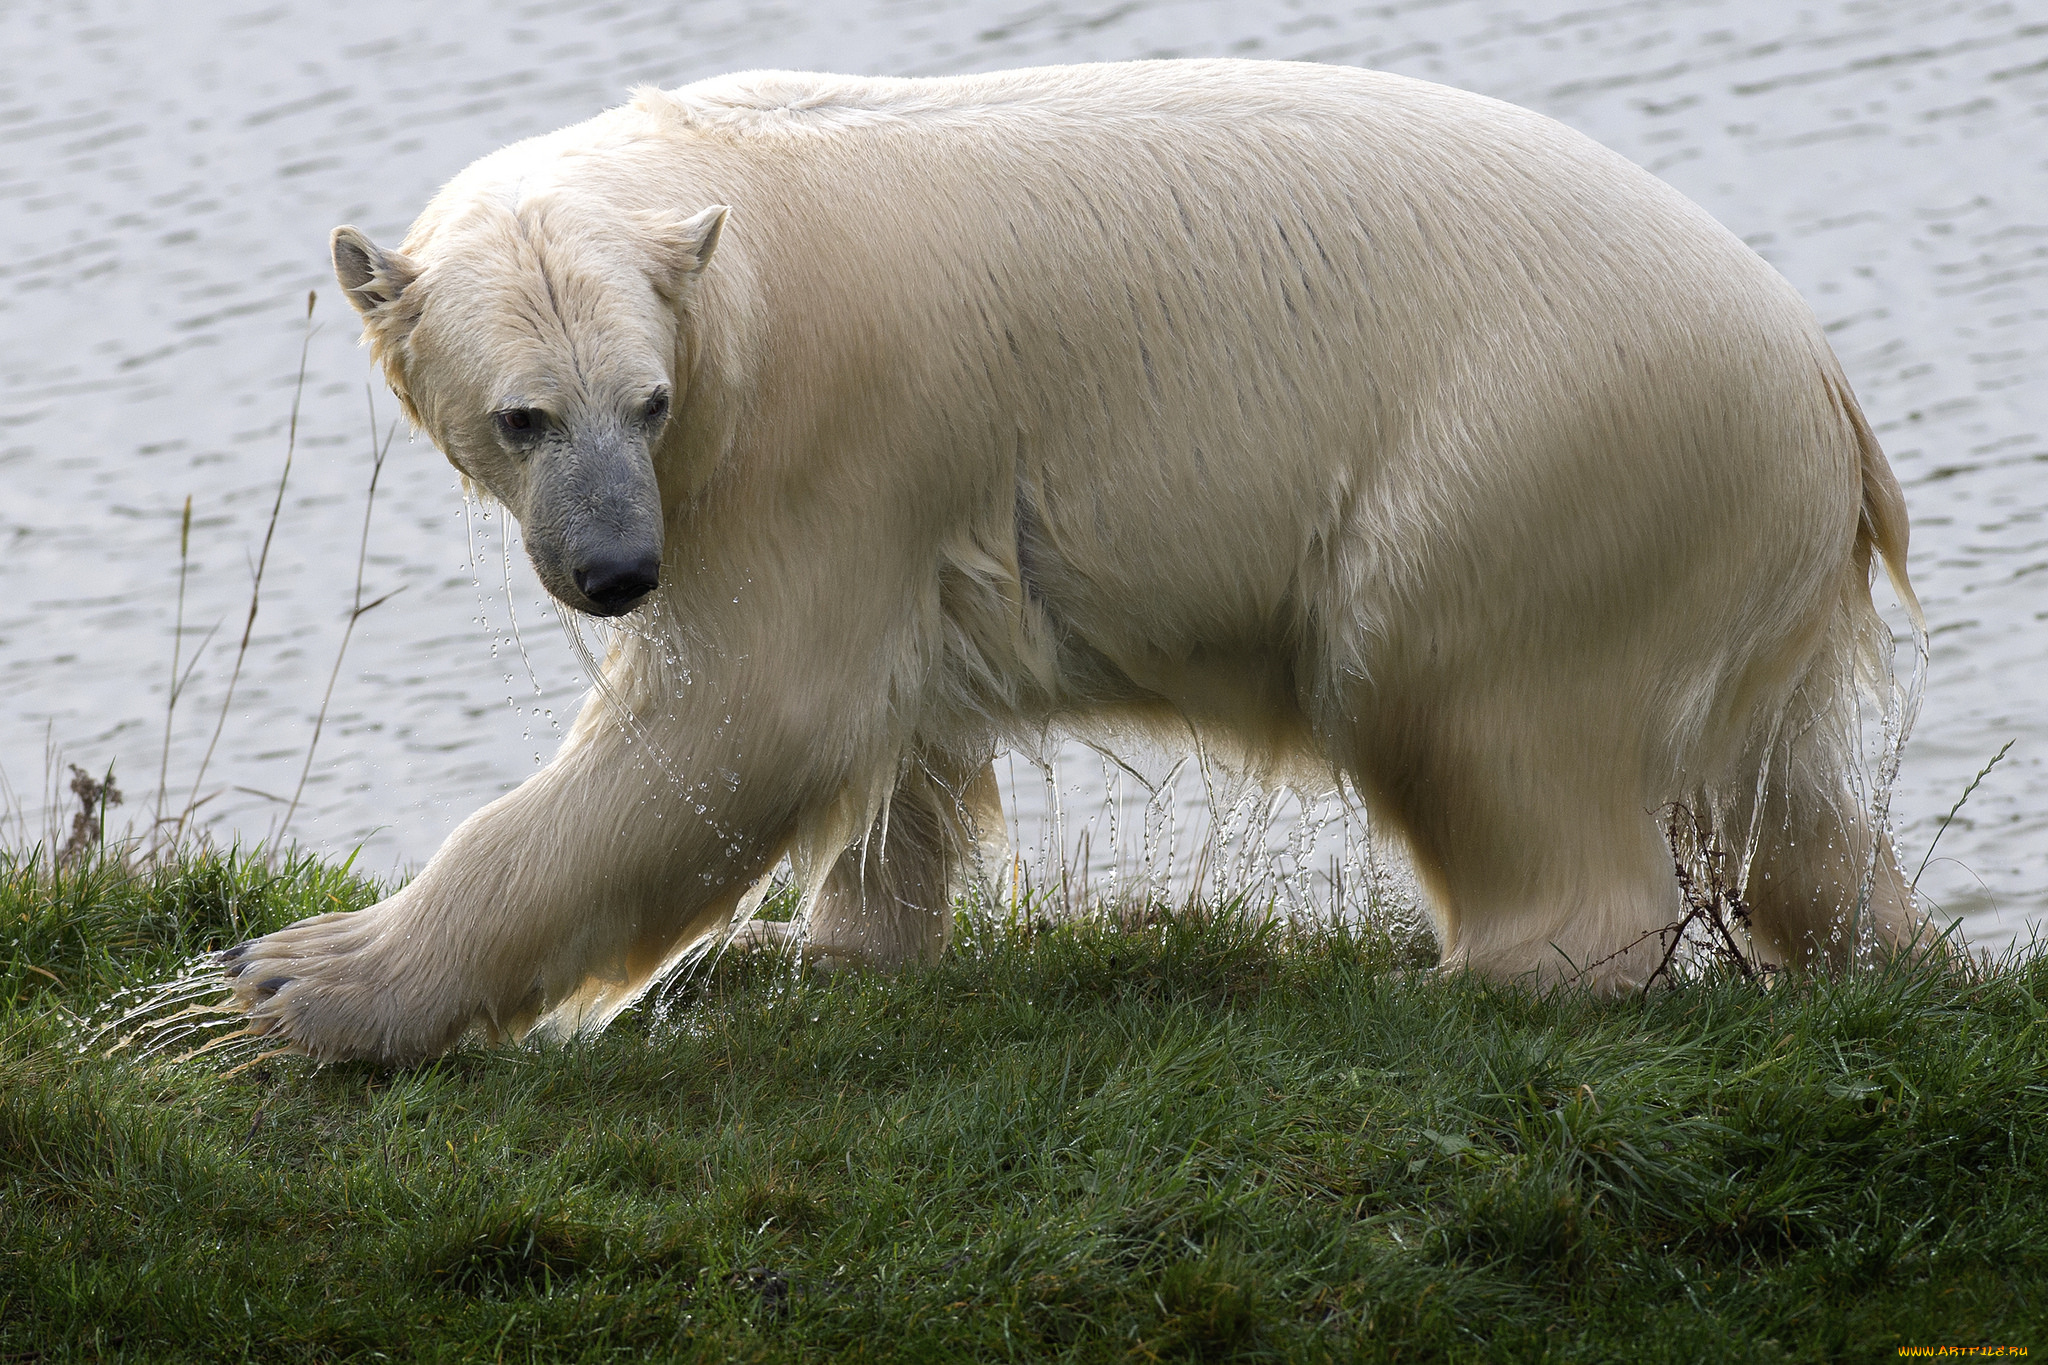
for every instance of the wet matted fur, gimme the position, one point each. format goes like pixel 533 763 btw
pixel 1356 424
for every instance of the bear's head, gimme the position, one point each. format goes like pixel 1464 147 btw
pixel 538 346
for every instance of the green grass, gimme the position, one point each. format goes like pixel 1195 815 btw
pixel 1188 1137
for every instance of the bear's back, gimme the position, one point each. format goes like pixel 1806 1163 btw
pixel 1366 329
pixel 1384 314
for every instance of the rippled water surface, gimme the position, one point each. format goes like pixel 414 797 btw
pixel 168 175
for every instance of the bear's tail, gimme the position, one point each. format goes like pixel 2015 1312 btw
pixel 1883 529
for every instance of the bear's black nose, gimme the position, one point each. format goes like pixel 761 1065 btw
pixel 615 584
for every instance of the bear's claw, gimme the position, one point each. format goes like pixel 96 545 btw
pixel 324 987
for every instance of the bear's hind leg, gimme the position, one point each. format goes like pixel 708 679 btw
pixel 1816 852
pixel 1536 844
pixel 889 898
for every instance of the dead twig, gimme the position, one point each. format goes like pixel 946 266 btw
pixel 1712 899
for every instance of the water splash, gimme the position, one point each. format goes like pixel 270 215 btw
pixel 178 1021
pixel 1172 828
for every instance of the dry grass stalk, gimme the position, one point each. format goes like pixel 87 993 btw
pixel 357 607
pixel 1982 773
pixel 194 800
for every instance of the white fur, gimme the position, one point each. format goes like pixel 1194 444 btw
pixel 1361 424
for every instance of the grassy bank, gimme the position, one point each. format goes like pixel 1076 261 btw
pixel 1194 1138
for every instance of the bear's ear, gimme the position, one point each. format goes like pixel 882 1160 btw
pixel 374 279
pixel 683 246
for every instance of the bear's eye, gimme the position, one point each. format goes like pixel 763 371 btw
pixel 657 405
pixel 518 423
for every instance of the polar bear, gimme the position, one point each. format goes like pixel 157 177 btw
pixel 1353 424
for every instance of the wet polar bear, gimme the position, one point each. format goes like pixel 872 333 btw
pixel 1354 424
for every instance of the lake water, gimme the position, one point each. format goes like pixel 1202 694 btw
pixel 168 176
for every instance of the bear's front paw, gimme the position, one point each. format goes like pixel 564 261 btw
pixel 333 988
